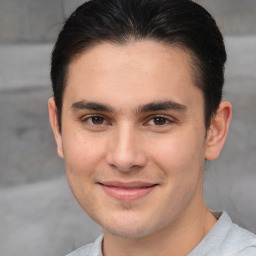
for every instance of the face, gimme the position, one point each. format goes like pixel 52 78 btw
pixel 133 136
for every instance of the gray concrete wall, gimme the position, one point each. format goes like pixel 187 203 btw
pixel 234 17
pixel 38 215
pixel 37 21
pixel 28 21
pixel 33 21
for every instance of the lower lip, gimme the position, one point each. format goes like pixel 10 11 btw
pixel 127 194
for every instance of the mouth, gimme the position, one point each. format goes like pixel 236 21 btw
pixel 127 191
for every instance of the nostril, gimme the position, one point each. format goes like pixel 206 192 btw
pixel 126 162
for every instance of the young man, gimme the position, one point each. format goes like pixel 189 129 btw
pixel 136 111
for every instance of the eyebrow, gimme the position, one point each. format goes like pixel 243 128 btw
pixel 150 107
pixel 90 105
pixel 162 105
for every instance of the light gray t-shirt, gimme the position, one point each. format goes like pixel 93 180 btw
pixel 224 239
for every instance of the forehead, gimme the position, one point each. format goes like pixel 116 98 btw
pixel 132 54
pixel 137 71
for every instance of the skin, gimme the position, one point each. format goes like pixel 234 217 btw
pixel 132 115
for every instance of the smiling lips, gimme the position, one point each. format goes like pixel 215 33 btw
pixel 127 191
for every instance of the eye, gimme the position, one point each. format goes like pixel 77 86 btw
pixel 159 121
pixel 97 120
pixel 94 120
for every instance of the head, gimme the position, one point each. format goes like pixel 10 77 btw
pixel 181 23
pixel 137 93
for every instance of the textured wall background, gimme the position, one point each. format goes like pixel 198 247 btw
pixel 38 215
pixel 38 21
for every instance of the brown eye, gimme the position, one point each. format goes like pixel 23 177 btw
pixel 97 120
pixel 159 120
pixel 95 123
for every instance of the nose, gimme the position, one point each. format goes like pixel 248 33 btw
pixel 125 151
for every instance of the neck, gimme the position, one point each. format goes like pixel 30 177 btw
pixel 178 239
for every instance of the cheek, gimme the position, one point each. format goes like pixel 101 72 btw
pixel 181 161
pixel 174 152
pixel 179 157
pixel 82 157
pixel 82 154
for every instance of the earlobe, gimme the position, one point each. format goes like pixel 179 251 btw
pixel 218 130
pixel 55 125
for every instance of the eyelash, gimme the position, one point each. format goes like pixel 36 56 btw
pixel 166 120
pixel 87 118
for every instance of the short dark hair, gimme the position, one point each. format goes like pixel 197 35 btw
pixel 183 23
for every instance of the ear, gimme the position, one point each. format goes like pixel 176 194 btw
pixel 55 126
pixel 218 130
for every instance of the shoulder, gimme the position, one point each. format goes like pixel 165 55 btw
pixel 226 239
pixel 81 251
pixel 92 249
pixel 239 242
pixel 248 251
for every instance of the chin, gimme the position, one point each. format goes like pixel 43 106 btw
pixel 130 229
pixel 128 234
